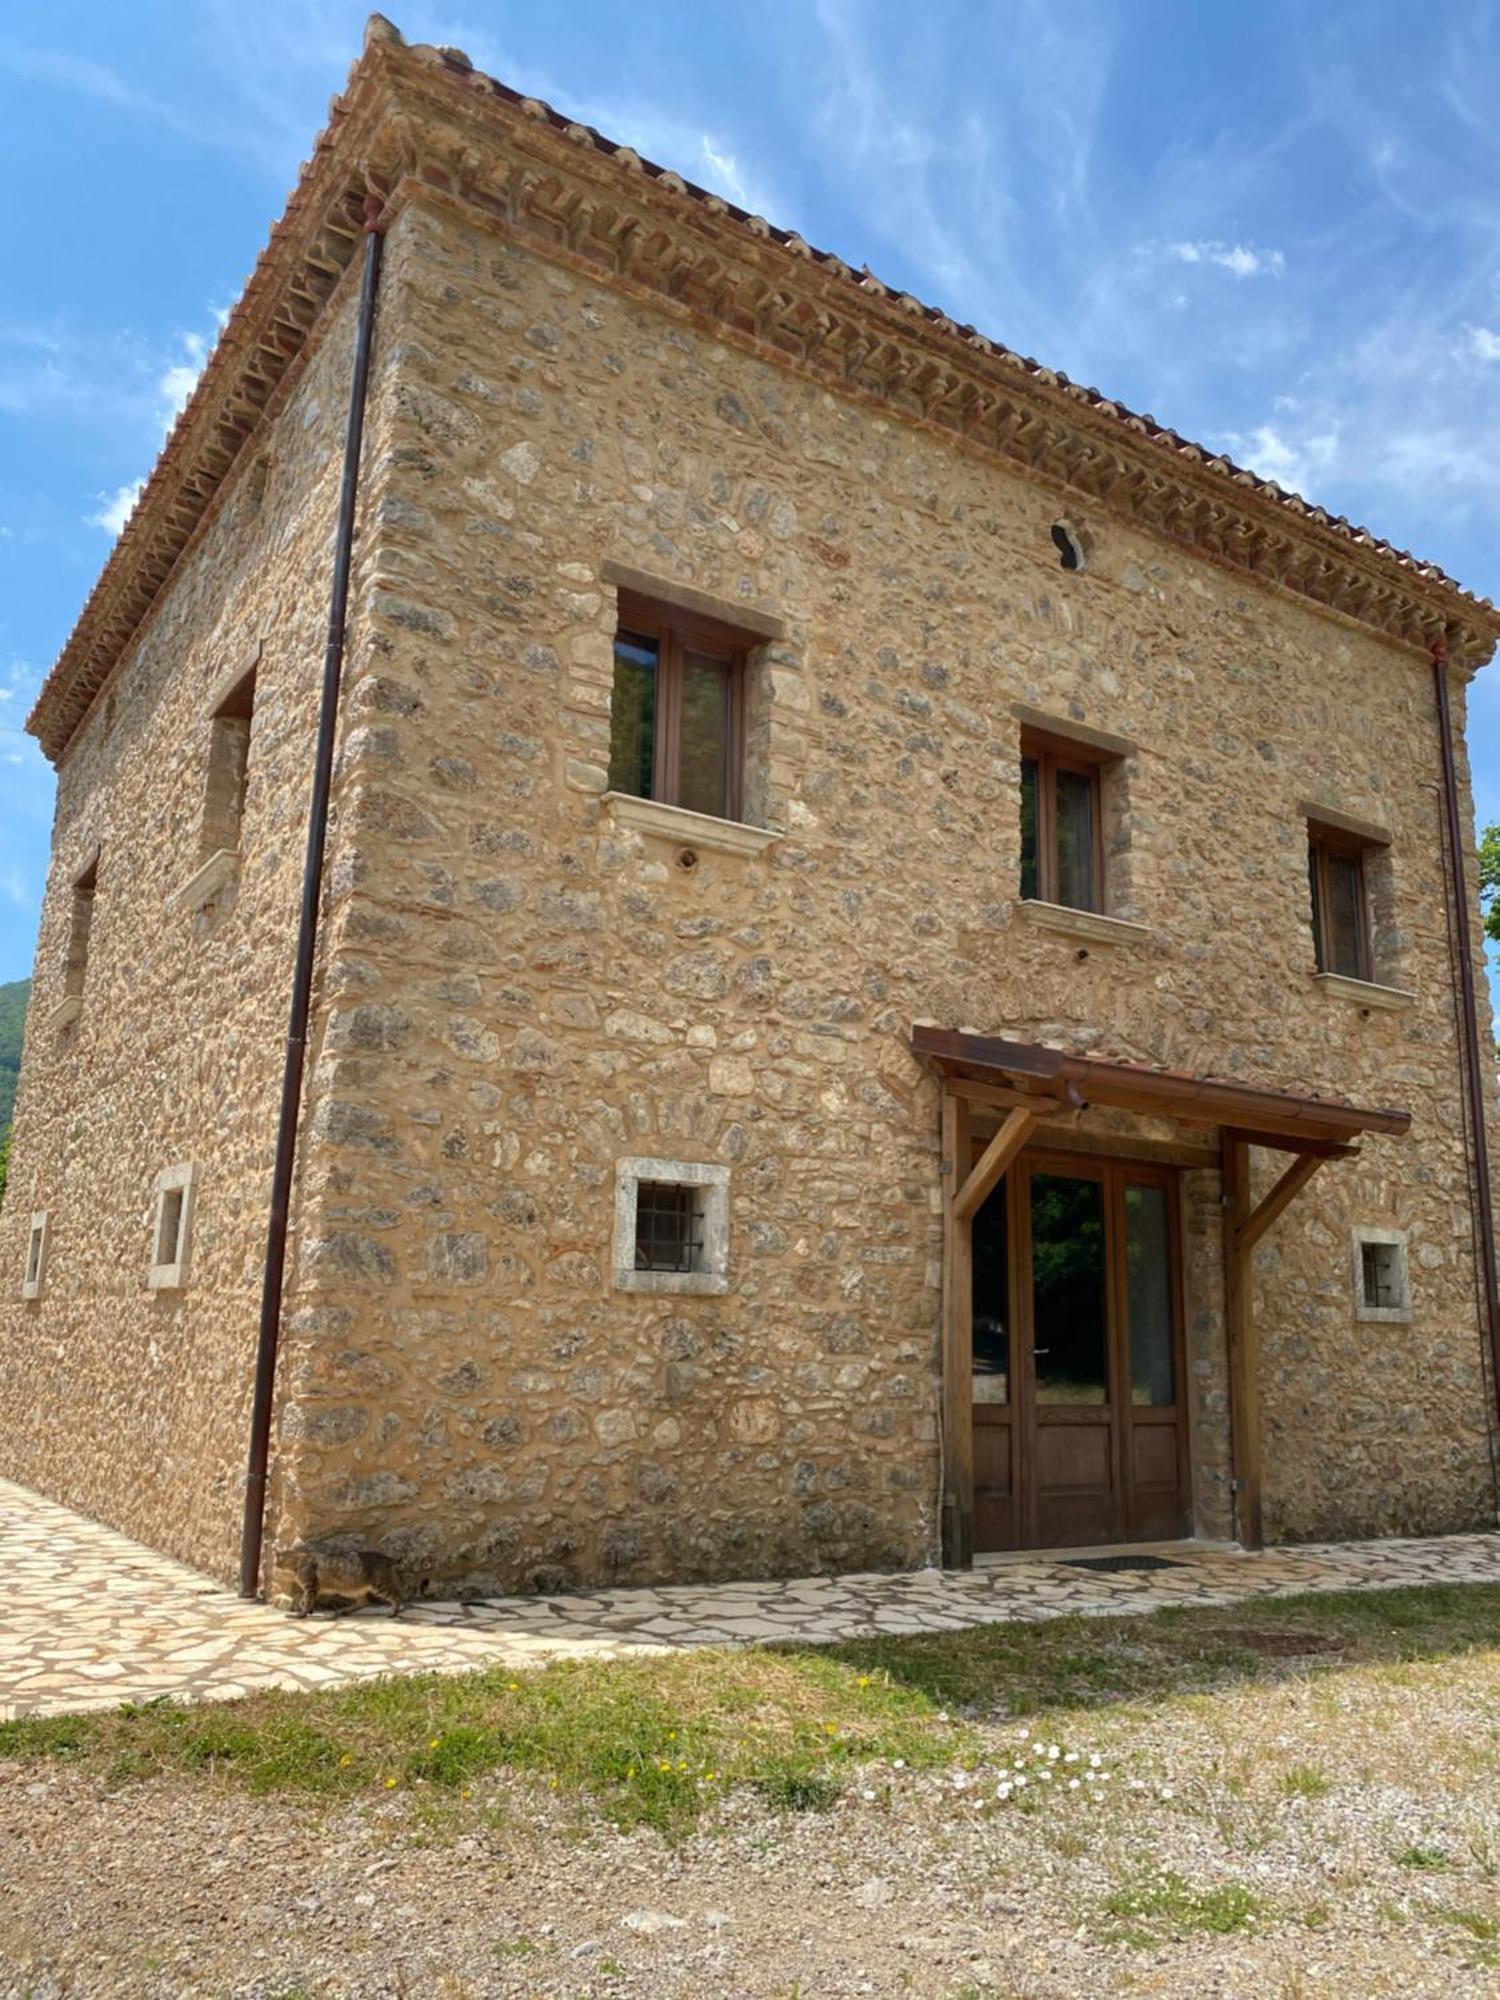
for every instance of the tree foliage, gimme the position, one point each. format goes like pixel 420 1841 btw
pixel 1489 881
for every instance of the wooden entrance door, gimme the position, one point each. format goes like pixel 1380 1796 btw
pixel 1080 1422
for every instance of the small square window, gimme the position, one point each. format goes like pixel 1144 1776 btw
pixel 668 1227
pixel 36 1255
pixel 1381 1286
pixel 671 1226
pixel 171 1226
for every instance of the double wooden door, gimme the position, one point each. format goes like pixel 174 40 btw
pixel 1079 1410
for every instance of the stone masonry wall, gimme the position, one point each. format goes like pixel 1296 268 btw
pixel 128 1403
pixel 523 990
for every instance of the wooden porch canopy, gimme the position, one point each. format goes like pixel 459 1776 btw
pixel 1029 1083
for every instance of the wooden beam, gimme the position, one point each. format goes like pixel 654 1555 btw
pixel 957 1344
pixel 1125 1146
pixel 1279 1142
pixel 992 1164
pixel 1278 1200
pixel 1006 1097
pixel 1244 1363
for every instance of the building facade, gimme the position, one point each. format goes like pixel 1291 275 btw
pixel 789 751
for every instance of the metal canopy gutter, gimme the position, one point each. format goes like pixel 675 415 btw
pixel 1029 1085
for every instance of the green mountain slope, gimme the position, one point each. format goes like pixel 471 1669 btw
pixel 13 1000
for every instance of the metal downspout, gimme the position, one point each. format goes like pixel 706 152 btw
pixel 1469 1019
pixel 253 1528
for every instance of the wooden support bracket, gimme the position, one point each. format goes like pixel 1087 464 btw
pixel 997 1156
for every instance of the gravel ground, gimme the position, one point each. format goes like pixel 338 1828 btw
pixel 1359 1813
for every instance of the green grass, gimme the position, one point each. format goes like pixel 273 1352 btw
pixel 660 1741
pixel 1163 1904
pixel 1080 1663
pixel 653 1742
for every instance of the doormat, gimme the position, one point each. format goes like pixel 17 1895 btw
pixel 1119 1562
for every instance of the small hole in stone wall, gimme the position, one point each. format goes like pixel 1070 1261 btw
pixel 1069 548
pixel 687 860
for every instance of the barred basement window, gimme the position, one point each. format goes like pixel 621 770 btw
pixel 671 1226
pixel 36 1255
pixel 1382 1289
pixel 171 1226
pixel 668 1227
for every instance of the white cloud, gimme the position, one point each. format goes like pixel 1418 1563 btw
pixel 1483 344
pixel 1297 464
pixel 116 508
pixel 1235 258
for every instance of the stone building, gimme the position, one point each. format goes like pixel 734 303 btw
pixel 854 867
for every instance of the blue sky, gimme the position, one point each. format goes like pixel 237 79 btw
pixel 1276 227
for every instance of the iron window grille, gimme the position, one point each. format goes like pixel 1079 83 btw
pixel 668 1228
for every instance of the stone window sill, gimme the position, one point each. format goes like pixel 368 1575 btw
pixel 687 829
pixel 1363 992
pixel 66 1010
pixel 1091 926
pixel 699 1284
pixel 211 880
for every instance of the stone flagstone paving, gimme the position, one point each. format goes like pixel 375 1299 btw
pixel 91 1619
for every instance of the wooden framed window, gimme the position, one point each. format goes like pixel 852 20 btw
pixel 676 730
pixel 1062 823
pixel 1340 902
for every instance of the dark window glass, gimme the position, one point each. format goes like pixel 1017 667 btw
pixel 1075 839
pixel 703 751
pixel 667 1235
pixel 1341 933
pixel 1148 1274
pixel 1345 916
pixel 170 1230
pixel 1382 1275
pixel 1069 1290
pixel 992 1300
pixel 632 717
pixel 1030 836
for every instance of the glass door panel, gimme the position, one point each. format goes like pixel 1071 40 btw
pixel 991 1316
pixel 1148 1288
pixel 1070 1290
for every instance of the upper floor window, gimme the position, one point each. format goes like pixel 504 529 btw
pixel 80 924
pixel 677 711
pixel 1062 823
pixel 228 767
pixel 1340 902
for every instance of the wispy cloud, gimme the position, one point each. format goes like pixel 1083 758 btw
pixel 1235 258
pixel 1481 343
pixel 116 508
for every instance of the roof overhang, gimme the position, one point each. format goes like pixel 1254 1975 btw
pixel 1285 1119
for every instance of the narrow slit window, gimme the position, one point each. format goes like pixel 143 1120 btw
pixel 228 768
pixel 1062 824
pixel 35 1268
pixel 80 925
pixel 677 711
pixel 1340 903
pixel 171 1225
